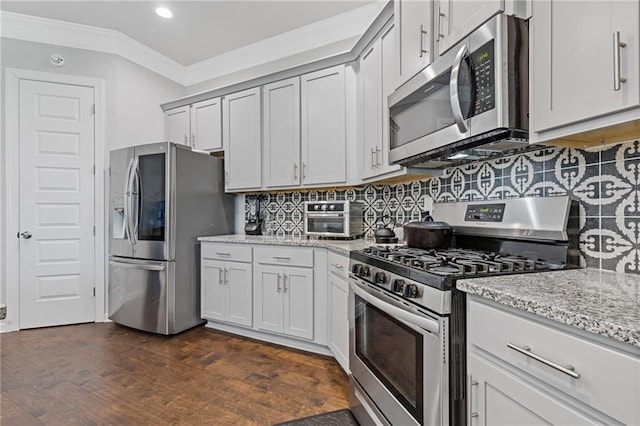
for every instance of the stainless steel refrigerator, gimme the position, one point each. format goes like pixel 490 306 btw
pixel 162 197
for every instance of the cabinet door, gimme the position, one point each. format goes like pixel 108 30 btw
pixel 573 58
pixel 339 320
pixel 414 36
pixel 176 125
pixel 240 293
pixel 206 125
pixel 213 292
pixel 281 136
pixel 456 19
pixel 371 104
pixel 268 297
pixel 501 398
pixel 324 127
pixel 390 75
pixel 298 302
pixel 241 132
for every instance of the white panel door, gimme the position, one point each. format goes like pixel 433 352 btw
pixel 213 292
pixel 268 297
pixel 176 125
pixel 573 56
pixel 242 134
pixel 414 36
pixel 371 98
pixel 323 125
pixel 206 125
pixel 239 285
pixel 456 19
pixel 281 138
pixel 56 132
pixel 390 77
pixel 298 302
pixel 339 319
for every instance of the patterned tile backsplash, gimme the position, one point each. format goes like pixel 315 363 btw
pixel 606 182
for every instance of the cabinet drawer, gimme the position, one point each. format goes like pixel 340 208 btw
pixel 235 252
pixel 276 255
pixel 338 264
pixel 608 380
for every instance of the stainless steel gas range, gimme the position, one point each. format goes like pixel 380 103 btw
pixel 407 321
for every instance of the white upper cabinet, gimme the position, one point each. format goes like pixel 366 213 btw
pixel 454 19
pixel 241 132
pixel 323 109
pixel 176 125
pixel 378 75
pixel 581 70
pixel 281 133
pixel 206 125
pixel 414 37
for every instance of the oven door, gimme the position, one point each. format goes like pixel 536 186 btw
pixel 398 357
pixel 327 224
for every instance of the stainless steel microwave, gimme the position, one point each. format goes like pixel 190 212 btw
pixel 470 103
pixel 334 219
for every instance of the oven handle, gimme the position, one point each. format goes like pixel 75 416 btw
pixel 453 89
pixel 399 313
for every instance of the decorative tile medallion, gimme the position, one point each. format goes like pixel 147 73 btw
pixel 606 182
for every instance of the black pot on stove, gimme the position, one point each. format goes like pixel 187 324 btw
pixel 385 234
pixel 428 234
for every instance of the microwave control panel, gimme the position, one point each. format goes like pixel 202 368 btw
pixel 483 75
pixel 484 213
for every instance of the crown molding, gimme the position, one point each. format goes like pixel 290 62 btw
pixel 61 33
pixel 330 31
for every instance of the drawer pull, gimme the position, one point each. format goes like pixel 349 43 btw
pixel 223 254
pixel 335 265
pixel 282 257
pixel 569 370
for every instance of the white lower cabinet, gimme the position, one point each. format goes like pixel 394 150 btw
pixel 526 371
pixel 284 300
pixel 339 309
pixel 226 291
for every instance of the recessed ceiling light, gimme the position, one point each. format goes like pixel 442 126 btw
pixel 164 12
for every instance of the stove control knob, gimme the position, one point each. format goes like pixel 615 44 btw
pixel 332 207
pixel 365 272
pixel 356 268
pixel 316 207
pixel 397 285
pixel 410 290
pixel 324 207
pixel 380 278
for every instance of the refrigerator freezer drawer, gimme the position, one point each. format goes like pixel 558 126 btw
pixel 141 294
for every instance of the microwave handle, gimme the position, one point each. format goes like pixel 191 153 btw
pixel 453 88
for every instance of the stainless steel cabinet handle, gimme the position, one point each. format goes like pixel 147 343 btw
pixel 281 257
pixel 439 34
pixel 226 276
pixel 220 277
pixel 186 140
pixel 295 171
pixel 193 140
pixel 453 89
pixel 474 414
pixel 26 235
pixel 373 158
pixel 304 171
pixel 279 278
pixel 378 156
pixel 223 254
pixel 569 370
pixel 617 45
pixel 335 265
pixel 422 34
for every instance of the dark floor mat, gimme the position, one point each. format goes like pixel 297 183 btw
pixel 333 418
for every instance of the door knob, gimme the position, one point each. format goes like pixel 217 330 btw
pixel 26 235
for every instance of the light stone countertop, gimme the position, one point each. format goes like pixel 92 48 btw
pixel 601 302
pixel 338 246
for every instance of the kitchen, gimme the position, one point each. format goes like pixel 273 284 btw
pixel 262 117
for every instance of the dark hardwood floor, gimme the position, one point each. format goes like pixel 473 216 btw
pixel 110 375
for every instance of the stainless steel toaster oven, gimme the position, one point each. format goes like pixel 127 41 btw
pixel 334 219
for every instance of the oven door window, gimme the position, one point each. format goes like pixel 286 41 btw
pixel 333 225
pixel 428 109
pixel 393 352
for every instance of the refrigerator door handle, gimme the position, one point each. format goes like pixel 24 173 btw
pixel 127 203
pixel 136 265
pixel 137 193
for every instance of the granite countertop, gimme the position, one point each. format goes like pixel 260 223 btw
pixel 338 246
pixel 601 302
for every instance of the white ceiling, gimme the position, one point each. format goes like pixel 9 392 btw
pixel 199 30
